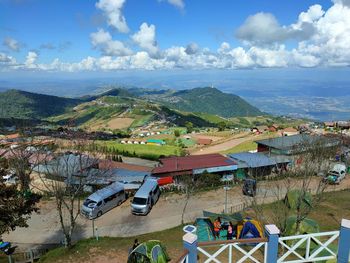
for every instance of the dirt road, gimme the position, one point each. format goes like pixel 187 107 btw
pixel 224 145
pixel 45 228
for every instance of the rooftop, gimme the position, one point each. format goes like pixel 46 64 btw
pixel 290 142
pixel 255 160
pixel 173 164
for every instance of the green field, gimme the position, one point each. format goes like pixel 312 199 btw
pixel 143 150
pixel 328 215
pixel 243 147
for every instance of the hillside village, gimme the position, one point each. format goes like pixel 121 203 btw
pixel 94 163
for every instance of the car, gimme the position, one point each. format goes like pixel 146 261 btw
pixel 249 187
pixel 336 174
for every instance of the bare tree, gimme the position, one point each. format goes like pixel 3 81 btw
pixel 64 178
pixel 301 180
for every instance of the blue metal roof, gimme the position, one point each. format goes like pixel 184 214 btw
pixel 253 160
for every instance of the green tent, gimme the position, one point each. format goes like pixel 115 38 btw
pixel 151 251
pixel 292 198
pixel 205 229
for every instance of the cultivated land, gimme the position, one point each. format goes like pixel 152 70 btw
pixel 109 249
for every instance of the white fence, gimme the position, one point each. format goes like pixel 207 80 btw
pixel 240 250
pixel 308 248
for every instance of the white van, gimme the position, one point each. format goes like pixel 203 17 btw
pixel 338 171
pixel 103 200
pixel 145 197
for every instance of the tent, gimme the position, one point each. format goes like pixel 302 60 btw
pixel 205 229
pixel 250 228
pixel 151 251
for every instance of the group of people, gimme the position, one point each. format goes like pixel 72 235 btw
pixel 218 227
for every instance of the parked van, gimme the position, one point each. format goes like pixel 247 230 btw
pixel 145 197
pixel 336 174
pixel 103 200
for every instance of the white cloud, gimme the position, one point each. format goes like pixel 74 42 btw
pixel 191 49
pixel 145 38
pixel 30 60
pixel 177 3
pixel 12 44
pixel 103 40
pixel 113 11
pixel 320 38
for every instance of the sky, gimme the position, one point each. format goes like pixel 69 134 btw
pixel 65 36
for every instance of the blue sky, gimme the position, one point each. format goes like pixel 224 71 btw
pixel 73 36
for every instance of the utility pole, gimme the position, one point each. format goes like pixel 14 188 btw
pixel 226 188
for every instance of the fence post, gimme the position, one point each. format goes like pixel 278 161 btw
pixel 190 243
pixel 344 242
pixel 272 233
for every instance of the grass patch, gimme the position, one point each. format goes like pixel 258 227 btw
pixel 143 150
pixel 243 147
pixel 114 248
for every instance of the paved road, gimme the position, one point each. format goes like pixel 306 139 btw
pixel 45 227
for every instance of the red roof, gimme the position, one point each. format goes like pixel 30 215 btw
pixel 107 164
pixel 204 141
pixel 174 164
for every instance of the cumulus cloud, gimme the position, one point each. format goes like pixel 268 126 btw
pixel 109 47
pixel 264 29
pixel 112 9
pixel 30 60
pixel 321 38
pixel 145 38
pixel 12 44
pixel 191 49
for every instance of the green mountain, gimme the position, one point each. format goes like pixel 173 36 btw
pixel 27 105
pixel 207 100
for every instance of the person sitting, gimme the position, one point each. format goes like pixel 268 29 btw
pixel 230 231
pixel 217 227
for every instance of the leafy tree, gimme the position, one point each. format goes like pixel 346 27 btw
pixel 177 133
pixel 221 125
pixel 16 206
pixel 189 126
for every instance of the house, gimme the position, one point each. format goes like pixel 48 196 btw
pixel 258 164
pixel 343 125
pixel 329 124
pixel 204 141
pixel 194 165
pixel 289 131
pixel 294 144
pixel 273 128
pixel 155 142
pixel 260 129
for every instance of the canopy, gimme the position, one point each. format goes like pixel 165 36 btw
pixel 151 251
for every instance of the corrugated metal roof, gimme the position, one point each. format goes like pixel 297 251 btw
pixel 253 160
pixel 290 142
pixel 174 164
pixel 107 164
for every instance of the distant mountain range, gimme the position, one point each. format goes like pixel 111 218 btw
pixel 120 108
